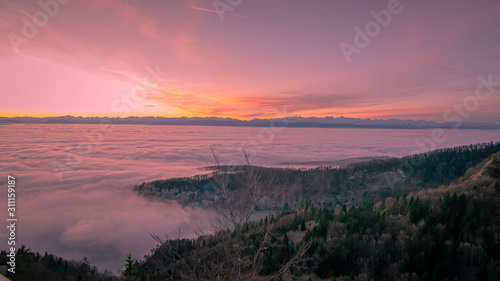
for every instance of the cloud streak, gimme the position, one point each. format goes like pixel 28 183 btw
pixel 219 12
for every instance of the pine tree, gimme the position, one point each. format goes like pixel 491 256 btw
pixel 129 273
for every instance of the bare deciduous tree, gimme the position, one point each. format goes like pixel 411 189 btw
pixel 237 208
pixel 222 255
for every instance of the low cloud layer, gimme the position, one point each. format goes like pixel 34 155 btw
pixel 92 212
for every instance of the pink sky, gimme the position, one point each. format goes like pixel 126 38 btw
pixel 91 57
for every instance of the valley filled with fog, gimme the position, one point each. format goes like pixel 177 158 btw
pixel 74 181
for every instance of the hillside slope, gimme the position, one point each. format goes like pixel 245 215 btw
pixel 448 233
pixel 348 185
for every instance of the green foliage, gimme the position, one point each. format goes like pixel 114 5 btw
pixel 303 224
pixel 131 271
pixel 451 237
pixel 32 266
pixel 448 237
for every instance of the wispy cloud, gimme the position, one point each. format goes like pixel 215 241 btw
pixel 253 105
pixel 219 12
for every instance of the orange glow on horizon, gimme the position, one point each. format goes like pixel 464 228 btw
pixel 12 114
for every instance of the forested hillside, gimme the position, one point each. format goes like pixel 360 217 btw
pixel 450 233
pixel 353 184
pixel 31 266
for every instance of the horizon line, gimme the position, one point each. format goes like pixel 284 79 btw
pixel 243 120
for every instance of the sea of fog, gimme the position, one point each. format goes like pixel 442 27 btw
pixel 73 181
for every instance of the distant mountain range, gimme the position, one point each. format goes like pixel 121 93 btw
pixel 296 122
